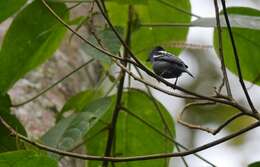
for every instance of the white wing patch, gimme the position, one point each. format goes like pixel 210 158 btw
pixel 166 53
pixel 158 56
pixel 163 52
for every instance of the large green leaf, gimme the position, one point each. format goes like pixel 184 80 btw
pixel 247 43
pixel 7 142
pixel 80 101
pixel 153 11
pixel 132 136
pixel 9 7
pixel 70 131
pixel 26 159
pixel 32 38
pixel 255 164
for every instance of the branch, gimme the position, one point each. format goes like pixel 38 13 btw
pixel 237 58
pixel 133 158
pixel 220 52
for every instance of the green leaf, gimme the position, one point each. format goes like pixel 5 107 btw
pixel 247 44
pixel 9 7
pixel 7 142
pixel 132 136
pixel 70 131
pixel 26 159
pixel 154 11
pixel 32 38
pixel 80 101
pixel 110 42
pixel 255 164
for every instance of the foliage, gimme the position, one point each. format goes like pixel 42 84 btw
pixel 139 124
pixel 26 158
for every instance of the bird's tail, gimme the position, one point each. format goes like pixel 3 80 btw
pixel 189 73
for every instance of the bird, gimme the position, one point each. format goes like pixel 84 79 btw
pixel 166 64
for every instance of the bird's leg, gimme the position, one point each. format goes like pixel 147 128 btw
pixel 175 83
pixel 161 76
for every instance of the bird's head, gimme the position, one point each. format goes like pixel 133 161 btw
pixel 154 52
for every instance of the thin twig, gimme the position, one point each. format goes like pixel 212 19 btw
pixel 133 158
pixel 53 85
pixel 237 58
pixel 220 52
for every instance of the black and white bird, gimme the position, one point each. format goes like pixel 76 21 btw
pixel 166 64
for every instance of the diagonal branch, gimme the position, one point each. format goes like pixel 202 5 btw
pixel 237 58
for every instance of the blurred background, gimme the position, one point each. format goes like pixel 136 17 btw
pixel 38 116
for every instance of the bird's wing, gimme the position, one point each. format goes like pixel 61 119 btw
pixel 168 57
